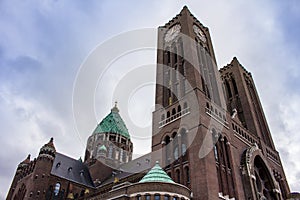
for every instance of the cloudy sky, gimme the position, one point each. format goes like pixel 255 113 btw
pixel 44 43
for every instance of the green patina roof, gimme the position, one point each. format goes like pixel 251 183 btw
pixel 113 123
pixel 156 174
pixel 103 148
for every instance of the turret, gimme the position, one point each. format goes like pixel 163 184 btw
pixel 20 173
pixel 43 166
pixel 110 141
pixel 109 146
pixel 47 151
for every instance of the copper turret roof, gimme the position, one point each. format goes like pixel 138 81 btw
pixel 113 123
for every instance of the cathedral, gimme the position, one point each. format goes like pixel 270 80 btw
pixel 210 137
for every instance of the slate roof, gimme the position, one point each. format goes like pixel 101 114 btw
pixel 71 169
pixel 113 123
pixel 137 166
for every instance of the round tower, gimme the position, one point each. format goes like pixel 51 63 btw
pixel 110 142
pixel 20 173
pixel 47 151
pixel 43 166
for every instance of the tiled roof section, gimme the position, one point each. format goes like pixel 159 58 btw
pixel 138 167
pixel 113 123
pixel 156 174
pixel 71 169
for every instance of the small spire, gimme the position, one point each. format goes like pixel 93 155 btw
pixel 234 60
pixel 50 143
pixel 26 161
pixel 115 108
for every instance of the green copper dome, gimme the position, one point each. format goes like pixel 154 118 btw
pixel 113 123
pixel 156 174
pixel 103 148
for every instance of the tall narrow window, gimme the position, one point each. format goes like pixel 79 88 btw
pixel 222 156
pixel 168 57
pixel 175 56
pixel 167 149
pixel 234 86
pixel 187 174
pixel 110 151
pixel 178 175
pixel 228 89
pixel 216 153
pixel 56 189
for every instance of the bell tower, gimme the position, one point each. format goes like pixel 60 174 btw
pixel 210 135
pixel 187 89
pixel 242 98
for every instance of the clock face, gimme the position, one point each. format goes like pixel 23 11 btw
pixel 199 33
pixel 172 33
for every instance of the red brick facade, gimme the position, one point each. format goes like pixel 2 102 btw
pixel 209 134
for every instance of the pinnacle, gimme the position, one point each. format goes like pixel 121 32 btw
pixel 115 108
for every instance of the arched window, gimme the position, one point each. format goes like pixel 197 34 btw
pixel 162 117
pixel 179 109
pixel 56 189
pixel 167 197
pixel 183 141
pixel 173 111
pixel 263 180
pixel 147 197
pixel 157 197
pixel 175 146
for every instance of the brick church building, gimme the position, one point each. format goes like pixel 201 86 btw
pixel 210 137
